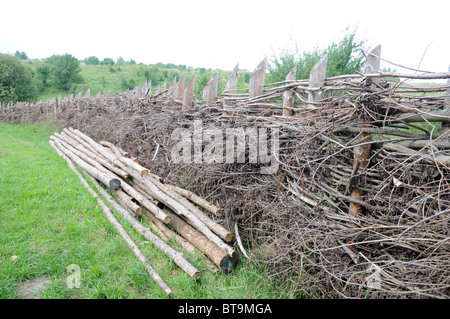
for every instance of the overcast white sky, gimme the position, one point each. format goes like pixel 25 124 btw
pixel 219 34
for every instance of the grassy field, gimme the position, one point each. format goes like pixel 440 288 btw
pixel 49 221
pixel 117 78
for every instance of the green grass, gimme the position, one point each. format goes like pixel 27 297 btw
pixel 117 78
pixel 49 221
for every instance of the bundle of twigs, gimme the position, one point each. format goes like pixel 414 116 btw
pixel 173 212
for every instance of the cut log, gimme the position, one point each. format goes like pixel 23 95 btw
pixel 165 231
pixel 109 180
pixel 177 257
pixel 179 209
pixel 112 157
pixel 95 156
pixel 75 137
pixel 126 201
pixel 198 200
pixel 214 226
pixel 153 274
pixel 145 202
pixel 117 150
pixel 218 256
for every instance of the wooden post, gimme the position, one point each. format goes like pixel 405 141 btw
pixel 317 79
pixel 257 79
pixel 172 87
pixel 188 95
pixel 231 86
pixel 210 90
pixel 179 88
pixel 361 154
pixel 288 95
pixel 445 125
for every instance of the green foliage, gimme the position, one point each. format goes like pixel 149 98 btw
pixel 64 71
pixel 344 57
pixel 107 61
pixel 43 72
pixel 92 60
pixel 16 82
pixel 120 61
pixel 21 55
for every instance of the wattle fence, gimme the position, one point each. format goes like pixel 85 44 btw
pixel 359 204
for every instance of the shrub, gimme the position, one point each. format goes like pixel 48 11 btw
pixel 16 82
pixel 344 57
pixel 64 71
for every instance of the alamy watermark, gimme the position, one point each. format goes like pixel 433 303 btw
pixel 74 279
pixel 213 145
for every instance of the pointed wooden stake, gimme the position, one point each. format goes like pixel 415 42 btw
pixel 317 79
pixel 172 87
pixel 179 88
pixel 231 86
pixel 188 95
pixel 288 96
pixel 257 79
pixel 361 154
pixel 210 90
pixel 445 125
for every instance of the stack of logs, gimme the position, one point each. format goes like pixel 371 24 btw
pixel 172 212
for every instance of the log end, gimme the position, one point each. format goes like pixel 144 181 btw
pixel 166 220
pixel 229 237
pixel 218 212
pixel 197 275
pixel 228 263
pixel 114 184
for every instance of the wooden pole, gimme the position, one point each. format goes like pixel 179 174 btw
pixel 107 179
pixel 147 234
pixel 257 79
pixel 198 200
pixel 446 125
pixel 126 201
pixel 188 95
pixel 361 154
pixel 164 287
pixel 223 260
pixel 231 86
pixel 179 88
pixel 179 209
pixel 165 231
pixel 119 161
pixel 210 90
pixel 172 87
pixel 317 79
pixel 288 95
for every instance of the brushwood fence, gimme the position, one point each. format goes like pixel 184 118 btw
pixel 360 204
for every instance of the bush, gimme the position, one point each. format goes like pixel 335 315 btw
pixel 344 57
pixel 92 60
pixel 16 81
pixel 64 71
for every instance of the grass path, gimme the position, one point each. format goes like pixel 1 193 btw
pixel 49 221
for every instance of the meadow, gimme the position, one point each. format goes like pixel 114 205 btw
pixel 49 221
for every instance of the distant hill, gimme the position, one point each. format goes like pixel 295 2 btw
pixel 120 77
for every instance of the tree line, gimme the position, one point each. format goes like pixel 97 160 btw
pixel 22 79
